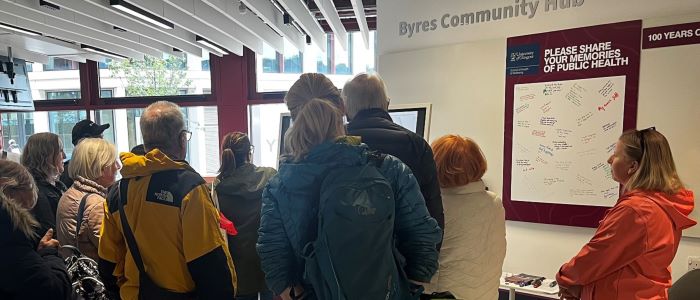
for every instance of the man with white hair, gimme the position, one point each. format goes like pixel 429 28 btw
pixel 161 214
pixel 366 106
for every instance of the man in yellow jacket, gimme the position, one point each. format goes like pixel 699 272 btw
pixel 170 212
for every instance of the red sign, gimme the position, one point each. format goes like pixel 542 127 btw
pixel 672 35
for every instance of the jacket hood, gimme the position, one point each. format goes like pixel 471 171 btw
pixel 20 219
pixel 678 206
pixel 153 162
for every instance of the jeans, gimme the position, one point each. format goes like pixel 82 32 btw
pixel 266 295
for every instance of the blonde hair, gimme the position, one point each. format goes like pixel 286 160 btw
pixel 458 160
pixel 318 121
pixel 656 171
pixel 16 178
pixel 309 86
pixel 162 124
pixel 41 147
pixel 90 157
pixel 365 91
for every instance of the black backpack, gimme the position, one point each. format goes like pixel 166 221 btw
pixel 83 271
pixel 353 254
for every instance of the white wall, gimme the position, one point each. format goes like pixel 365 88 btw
pixel 466 85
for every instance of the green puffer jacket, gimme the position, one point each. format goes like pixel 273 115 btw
pixel 288 215
pixel 240 200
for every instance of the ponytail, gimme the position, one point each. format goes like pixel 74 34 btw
pixel 235 151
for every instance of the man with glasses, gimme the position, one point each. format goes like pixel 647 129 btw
pixel 168 218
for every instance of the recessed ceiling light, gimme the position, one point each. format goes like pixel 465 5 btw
pixel 141 14
pixel 18 29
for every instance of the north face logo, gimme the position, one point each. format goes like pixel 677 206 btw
pixel 164 196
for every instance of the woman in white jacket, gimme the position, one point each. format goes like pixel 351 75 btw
pixel 474 242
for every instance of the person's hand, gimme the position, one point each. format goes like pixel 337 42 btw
pixel 570 292
pixel 48 241
pixel 298 293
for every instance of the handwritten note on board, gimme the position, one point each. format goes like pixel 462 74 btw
pixel 564 132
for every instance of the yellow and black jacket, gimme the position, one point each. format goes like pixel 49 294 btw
pixel 176 227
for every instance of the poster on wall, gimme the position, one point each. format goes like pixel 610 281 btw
pixel 569 96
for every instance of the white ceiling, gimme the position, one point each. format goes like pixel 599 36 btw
pixel 228 24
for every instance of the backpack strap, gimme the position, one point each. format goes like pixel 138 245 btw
pixel 128 234
pixel 79 217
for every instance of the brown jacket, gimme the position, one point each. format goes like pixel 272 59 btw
pixel 89 237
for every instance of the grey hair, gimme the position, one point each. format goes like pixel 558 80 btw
pixel 161 125
pixel 365 91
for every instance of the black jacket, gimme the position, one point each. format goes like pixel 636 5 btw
pixel 67 181
pixel 240 200
pixel 26 273
pixel 379 132
pixel 46 204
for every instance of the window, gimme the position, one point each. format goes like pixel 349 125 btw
pixel 58 80
pixel 61 123
pixel 60 64
pixel 264 130
pixel 165 76
pixel 55 95
pixel 58 95
pixel 202 121
pixel 16 128
pixel 277 72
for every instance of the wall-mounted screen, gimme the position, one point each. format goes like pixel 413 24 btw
pixel 414 117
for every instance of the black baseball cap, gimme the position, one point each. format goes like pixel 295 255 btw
pixel 87 129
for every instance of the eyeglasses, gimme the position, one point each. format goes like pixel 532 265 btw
pixel 642 139
pixel 188 134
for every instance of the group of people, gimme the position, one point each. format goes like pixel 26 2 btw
pixel 363 210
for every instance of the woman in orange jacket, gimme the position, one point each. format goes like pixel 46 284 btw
pixel 629 256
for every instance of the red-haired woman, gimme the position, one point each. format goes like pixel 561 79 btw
pixel 474 244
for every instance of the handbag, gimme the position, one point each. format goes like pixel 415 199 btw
pixel 148 289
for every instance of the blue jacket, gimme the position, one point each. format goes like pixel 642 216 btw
pixel 288 218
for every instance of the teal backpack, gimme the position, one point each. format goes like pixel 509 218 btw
pixel 353 254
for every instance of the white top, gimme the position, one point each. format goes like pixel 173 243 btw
pixel 474 243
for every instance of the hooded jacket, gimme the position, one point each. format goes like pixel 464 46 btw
pixel 629 256
pixel 289 213
pixel 28 273
pixel 176 227
pixel 240 200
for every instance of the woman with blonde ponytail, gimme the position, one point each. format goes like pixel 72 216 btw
pixel 239 189
pixel 316 144
pixel 31 268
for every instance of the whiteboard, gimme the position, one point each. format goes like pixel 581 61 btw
pixel 563 134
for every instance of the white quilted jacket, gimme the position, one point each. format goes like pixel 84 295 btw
pixel 474 244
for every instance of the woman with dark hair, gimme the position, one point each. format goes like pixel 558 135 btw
pixel 630 255
pixel 43 157
pixel 239 189
pixel 31 268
